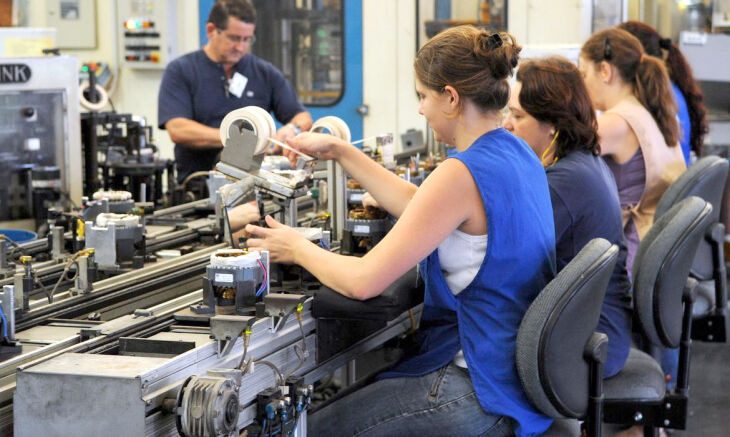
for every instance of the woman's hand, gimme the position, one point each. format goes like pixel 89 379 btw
pixel 242 215
pixel 281 241
pixel 322 146
pixel 369 200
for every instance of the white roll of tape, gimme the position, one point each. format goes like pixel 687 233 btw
pixel 260 120
pixel 121 220
pixel 265 115
pixel 112 195
pixel 234 258
pixel 334 125
pixel 103 97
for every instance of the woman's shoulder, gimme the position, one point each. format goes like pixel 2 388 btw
pixel 580 170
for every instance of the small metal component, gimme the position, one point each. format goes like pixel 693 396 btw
pixel 56 240
pixel 7 302
pixel 278 305
pixel 86 268
pixel 638 417
pixel 5 267
pixel 666 422
pixel 143 313
pixel 226 329
pixel 114 243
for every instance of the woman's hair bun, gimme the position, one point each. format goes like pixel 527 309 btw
pixel 498 51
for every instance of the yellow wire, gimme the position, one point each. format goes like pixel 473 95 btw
pixel 549 148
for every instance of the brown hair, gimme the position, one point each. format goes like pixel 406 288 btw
pixel 646 74
pixel 680 73
pixel 240 9
pixel 475 62
pixel 553 92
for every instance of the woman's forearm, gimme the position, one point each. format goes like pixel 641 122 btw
pixel 389 190
pixel 347 275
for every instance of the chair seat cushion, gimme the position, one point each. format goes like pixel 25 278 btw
pixel 563 428
pixel 640 378
pixel 705 298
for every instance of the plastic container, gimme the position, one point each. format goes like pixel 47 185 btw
pixel 19 235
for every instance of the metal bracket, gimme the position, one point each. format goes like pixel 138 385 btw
pixel 143 313
pixel 7 302
pixel 670 412
pixel 239 149
pixel 279 306
pixel 226 329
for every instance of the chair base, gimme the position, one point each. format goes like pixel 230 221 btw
pixel 713 327
pixel 669 412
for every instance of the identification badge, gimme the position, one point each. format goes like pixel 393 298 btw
pixel 237 84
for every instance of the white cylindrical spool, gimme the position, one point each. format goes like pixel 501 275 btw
pixel 112 195
pixel 267 116
pixel 121 220
pixel 234 258
pixel 335 125
pixel 261 121
pixel 98 106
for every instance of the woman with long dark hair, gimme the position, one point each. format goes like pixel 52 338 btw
pixel 687 94
pixel 638 129
pixel 550 109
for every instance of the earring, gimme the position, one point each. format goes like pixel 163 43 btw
pixel 552 132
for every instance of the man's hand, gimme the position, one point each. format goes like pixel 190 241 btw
pixel 284 134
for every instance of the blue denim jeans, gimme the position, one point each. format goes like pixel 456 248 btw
pixel 439 403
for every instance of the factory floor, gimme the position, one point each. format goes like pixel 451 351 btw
pixel 709 395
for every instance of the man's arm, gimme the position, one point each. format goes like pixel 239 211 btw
pixel 175 108
pixel 303 120
pixel 191 133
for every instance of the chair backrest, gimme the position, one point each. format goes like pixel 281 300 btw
pixel 705 179
pixel 661 268
pixel 556 328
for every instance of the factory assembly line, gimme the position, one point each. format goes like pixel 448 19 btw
pixel 157 315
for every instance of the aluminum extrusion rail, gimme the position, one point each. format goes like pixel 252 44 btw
pixel 115 289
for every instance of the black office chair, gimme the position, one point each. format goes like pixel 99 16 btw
pixel 559 356
pixel 706 179
pixel 663 298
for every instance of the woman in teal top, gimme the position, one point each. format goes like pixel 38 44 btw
pixel 494 189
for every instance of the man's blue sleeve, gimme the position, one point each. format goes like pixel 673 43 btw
pixel 285 102
pixel 175 98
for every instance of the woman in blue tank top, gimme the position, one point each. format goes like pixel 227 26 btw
pixel 495 188
pixel 550 109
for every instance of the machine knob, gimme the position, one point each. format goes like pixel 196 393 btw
pixel 28 112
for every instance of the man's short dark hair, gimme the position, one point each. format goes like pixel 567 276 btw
pixel 222 9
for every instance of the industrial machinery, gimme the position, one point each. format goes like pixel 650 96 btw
pixel 246 133
pixel 40 138
pixel 171 358
pixel 234 279
pixel 119 155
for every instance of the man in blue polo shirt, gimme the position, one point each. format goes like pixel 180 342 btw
pixel 200 88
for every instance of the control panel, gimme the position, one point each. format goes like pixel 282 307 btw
pixel 148 32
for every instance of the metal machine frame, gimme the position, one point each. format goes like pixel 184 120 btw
pixel 57 73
